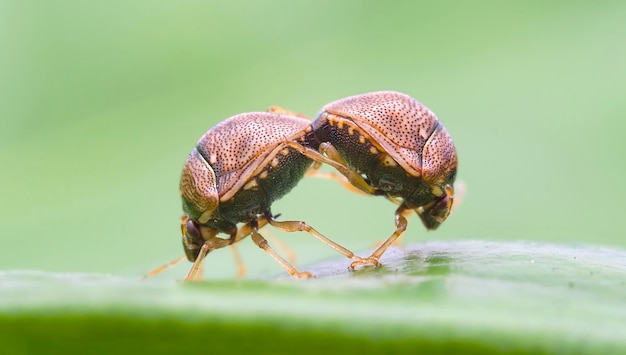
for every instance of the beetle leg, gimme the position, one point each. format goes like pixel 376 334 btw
pixel 242 233
pixel 400 228
pixel 241 267
pixel 195 274
pixel 459 193
pixel 290 255
pixel 284 111
pixel 355 178
pixel 334 176
pixel 332 153
pixel 263 244
pixel 300 226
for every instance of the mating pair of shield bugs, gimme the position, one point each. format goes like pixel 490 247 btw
pixel 382 143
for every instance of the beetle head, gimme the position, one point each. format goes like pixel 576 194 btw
pixel 436 212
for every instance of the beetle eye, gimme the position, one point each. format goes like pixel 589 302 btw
pixel 192 239
pixel 452 176
pixel 386 186
pixel 192 230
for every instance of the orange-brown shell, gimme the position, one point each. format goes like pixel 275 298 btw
pixel 439 157
pixel 198 187
pixel 242 146
pixel 400 124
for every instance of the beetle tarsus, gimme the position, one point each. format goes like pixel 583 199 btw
pixel 303 275
pixel 364 262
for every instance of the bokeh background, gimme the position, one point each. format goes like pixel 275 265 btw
pixel 102 101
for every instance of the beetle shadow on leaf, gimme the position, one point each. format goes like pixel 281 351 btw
pixel 433 264
pixel 422 273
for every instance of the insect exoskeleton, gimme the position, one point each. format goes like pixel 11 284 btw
pixel 233 175
pixel 395 147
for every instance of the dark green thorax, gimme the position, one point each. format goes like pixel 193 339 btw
pixel 357 155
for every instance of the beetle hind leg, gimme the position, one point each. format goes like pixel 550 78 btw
pixel 241 267
pixel 300 226
pixel 263 244
pixel 315 173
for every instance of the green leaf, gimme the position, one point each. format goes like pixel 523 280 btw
pixel 436 297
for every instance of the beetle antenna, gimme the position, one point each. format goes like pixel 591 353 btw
pixel 162 268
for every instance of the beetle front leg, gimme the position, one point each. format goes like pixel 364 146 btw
pixel 315 173
pixel 332 153
pixel 354 177
pixel 284 111
pixel 242 233
pixel 195 273
pixel 212 243
pixel 373 259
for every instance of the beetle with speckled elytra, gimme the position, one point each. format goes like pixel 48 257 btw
pixel 233 175
pixel 395 147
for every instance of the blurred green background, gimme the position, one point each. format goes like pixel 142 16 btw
pixel 102 101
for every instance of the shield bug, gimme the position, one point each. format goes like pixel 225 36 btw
pixel 233 175
pixel 394 147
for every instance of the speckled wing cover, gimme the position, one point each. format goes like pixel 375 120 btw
pixel 399 123
pixel 240 146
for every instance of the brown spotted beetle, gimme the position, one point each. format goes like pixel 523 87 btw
pixel 233 175
pixel 395 147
